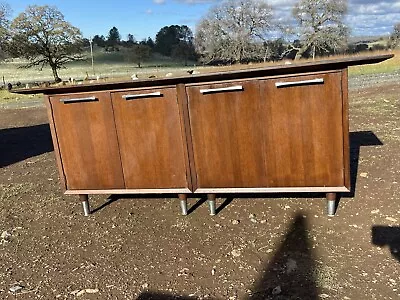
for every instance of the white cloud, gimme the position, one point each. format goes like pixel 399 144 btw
pixel 365 17
pixel 149 12
pixel 196 1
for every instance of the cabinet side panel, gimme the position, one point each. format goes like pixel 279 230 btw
pixel 346 142
pixel 55 142
pixel 304 131
pixel 150 138
pixel 88 141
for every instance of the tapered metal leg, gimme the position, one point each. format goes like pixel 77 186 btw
pixel 331 201
pixel 212 204
pixel 85 203
pixel 183 202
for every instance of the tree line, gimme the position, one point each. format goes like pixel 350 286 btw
pixel 175 41
pixel 233 31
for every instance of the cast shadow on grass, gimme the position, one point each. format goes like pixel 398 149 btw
pixel 18 144
pixel 290 274
pixel 387 236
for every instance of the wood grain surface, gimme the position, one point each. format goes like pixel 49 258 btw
pixel 227 134
pixel 150 138
pixel 303 132
pixel 88 142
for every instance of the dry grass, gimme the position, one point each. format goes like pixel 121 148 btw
pixel 123 71
pixel 6 96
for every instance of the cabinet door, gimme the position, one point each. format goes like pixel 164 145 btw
pixel 150 138
pixel 303 130
pixel 87 141
pixel 227 134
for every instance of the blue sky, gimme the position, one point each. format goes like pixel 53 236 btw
pixel 143 18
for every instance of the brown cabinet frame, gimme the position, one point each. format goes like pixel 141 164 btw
pixel 182 84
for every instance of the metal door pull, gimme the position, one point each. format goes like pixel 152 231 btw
pixel 86 99
pixel 226 89
pixel 135 96
pixel 292 83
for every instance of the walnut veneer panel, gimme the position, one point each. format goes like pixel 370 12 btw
pixel 303 131
pixel 87 141
pixel 226 132
pixel 150 138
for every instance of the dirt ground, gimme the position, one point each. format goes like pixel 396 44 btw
pixel 257 247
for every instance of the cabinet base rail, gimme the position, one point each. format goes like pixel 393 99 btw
pixel 211 198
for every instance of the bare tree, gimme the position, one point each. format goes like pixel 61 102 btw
pixel 395 36
pixel 234 31
pixel 321 26
pixel 41 35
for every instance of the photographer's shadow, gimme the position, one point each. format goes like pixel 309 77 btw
pixel 387 236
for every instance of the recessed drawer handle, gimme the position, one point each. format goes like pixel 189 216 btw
pixel 291 83
pixel 86 99
pixel 135 96
pixel 227 89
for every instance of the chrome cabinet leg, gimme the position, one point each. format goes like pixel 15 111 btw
pixel 183 202
pixel 331 201
pixel 85 203
pixel 211 204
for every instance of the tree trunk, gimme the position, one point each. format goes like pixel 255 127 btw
pixel 300 53
pixel 265 54
pixel 57 79
pixel 313 53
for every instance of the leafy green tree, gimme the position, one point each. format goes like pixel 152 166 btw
pixel 41 35
pixel 149 42
pixel 185 51
pixel 113 38
pixel 170 36
pixel 100 41
pixel 138 54
pixel 130 40
pixel 5 12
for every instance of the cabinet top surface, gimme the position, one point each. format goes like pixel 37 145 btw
pixel 323 65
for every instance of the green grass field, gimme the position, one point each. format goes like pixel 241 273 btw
pixel 388 66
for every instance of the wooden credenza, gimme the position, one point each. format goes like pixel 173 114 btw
pixel 275 129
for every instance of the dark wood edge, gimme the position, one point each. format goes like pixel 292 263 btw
pixel 323 65
pixel 116 134
pixel 55 142
pixel 261 78
pixel 128 191
pixel 338 189
pixel 346 142
pixel 269 190
pixel 187 136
